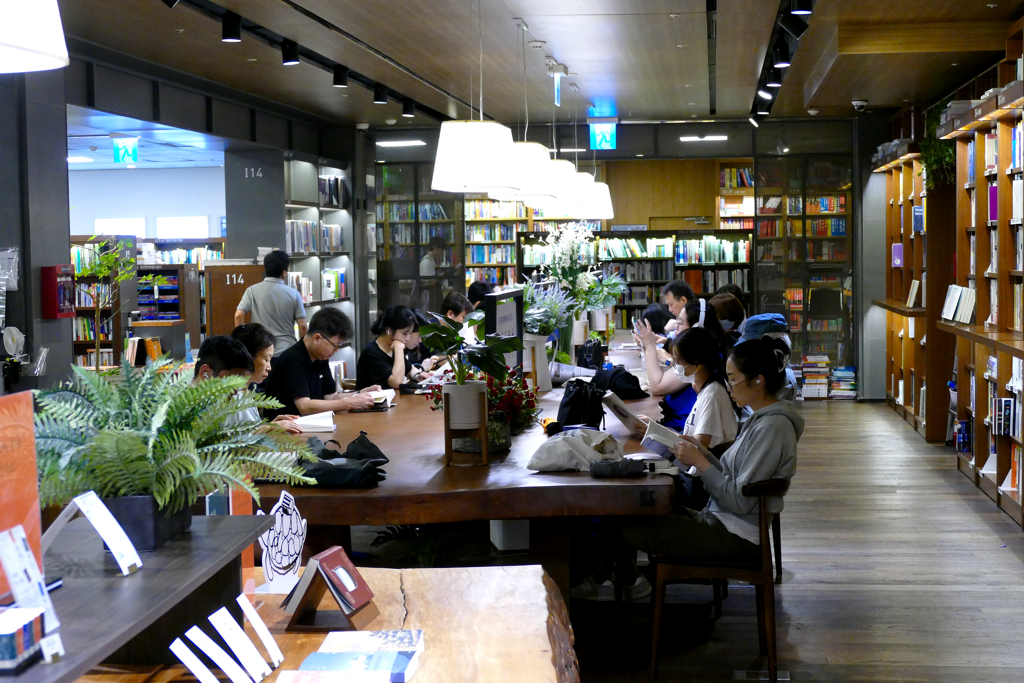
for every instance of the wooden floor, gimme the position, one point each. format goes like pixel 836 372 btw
pixel 896 569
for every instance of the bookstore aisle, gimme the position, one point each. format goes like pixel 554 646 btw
pixel 895 568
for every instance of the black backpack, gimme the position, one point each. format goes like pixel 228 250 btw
pixel 581 404
pixel 590 355
pixel 619 381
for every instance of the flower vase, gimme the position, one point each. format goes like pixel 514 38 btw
pixel 565 339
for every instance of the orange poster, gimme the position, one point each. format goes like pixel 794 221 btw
pixel 19 483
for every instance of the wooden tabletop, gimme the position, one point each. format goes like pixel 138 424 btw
pixel 479 624
pixel 420 489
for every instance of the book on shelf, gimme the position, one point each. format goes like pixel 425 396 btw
pixel 302 284
pixel 331 190
pixel 912 296
pixel 333 284
pixel 733 178
pixel 486 208
pixel 918 219
pixel 970 160
pixel 972 264
pixel 897 255
pixel 993 310
pixel 924 289
pixel 829 204
pixel 991 152
pixel 768 205
pixel 993 202
pixel 710 250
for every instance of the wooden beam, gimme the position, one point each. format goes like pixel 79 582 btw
pixel 867 39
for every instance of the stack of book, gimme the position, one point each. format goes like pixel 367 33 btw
pixel 21 630
pixel 732 178
pixel 89 359
pixel 301 237
pixel 332 190
pixel 387 656
pixel 964 436
pixel 333 283
pixel 959 305
pixel 844 382
pixel 332 238
pixel 302 285
pixel 815 376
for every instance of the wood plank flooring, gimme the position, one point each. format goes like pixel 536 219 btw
pixel 896 568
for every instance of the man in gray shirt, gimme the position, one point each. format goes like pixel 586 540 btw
pixel 274 304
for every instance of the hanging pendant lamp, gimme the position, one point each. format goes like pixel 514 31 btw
pixel 579 198
pixel 474 157
pixel 560 176
pixel 31 37
pixel 531 168
pixel 600 206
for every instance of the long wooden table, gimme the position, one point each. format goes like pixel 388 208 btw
pixel 420 489
pixel 492 624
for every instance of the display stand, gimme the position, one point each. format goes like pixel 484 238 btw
pixel 451 434
pixel 308 619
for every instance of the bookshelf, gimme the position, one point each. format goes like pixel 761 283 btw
pixel 490 239
pixel 113 318
pixel 172 310
pixel 408 214
pixel 803 251
pixel 191 250
pixel 735 199
pixel 921 225
pixel 990 347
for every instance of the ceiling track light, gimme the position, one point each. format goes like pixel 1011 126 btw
pixel 755 120
pixel 340 76
pixel 764 94
pixel 793 25
pixel 780 54
pixel 408 109
pixel 774 79
pixel 231 28
pixel 289 52
pixel 801 7
pixel 380 94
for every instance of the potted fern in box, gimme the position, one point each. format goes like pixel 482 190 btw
pixel 150 443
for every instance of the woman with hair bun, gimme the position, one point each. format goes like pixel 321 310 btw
pixel 383 360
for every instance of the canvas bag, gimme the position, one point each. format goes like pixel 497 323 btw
pixel 575 450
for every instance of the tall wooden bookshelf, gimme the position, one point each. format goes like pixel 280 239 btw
pixel 989 260
pixel 921 224
pixel 490 239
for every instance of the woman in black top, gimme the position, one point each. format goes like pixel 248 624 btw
pixel 383 360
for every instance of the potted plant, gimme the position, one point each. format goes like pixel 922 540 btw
pixel 512 409
pixel 571 251
pixel 150 442
pixel 465 393
pixel 546 308
pixel 601 297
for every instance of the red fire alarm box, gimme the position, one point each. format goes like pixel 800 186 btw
pixel 58 290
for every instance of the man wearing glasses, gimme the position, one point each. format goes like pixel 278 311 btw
pixel 301 378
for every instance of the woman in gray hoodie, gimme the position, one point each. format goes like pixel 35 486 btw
pixel 727 528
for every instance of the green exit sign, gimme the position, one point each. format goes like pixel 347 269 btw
pixel 126 150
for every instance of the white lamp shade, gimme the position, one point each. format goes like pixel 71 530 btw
pixel 474 157
pixel 531 169
pixel 578 199
pixel 561 173
pixel 31 36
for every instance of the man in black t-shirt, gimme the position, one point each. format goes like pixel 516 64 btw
pixel 301 378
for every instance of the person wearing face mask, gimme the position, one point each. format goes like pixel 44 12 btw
pixel 731 314
pixel 258 341
pixel 383 360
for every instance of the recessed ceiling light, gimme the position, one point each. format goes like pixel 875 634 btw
pixel 179 30
pixel 686 85
pixel 400 143
pixel 955 64
pixel 572 150
pixel 79 160
pixel 252 59
pixel 706 138
pixel 639 155
pixel 680 46
pixel 131 165
pixel 691 104
pixel 674 16
pixel 785 150
pixel 992 5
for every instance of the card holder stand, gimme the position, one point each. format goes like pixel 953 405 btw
pixel 451 434
pixel 309 619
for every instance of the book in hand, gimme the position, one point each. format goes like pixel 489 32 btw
pixel 659 438
pixel 382 400
pixel 318 422
pixel 633 423
pixel 343 580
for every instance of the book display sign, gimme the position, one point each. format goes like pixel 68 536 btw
pixel 19 481
pixel 333 571
pixel 106 526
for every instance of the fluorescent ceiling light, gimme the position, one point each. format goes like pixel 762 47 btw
pixel 763 94
pixel 400 143
pixel 568 150
pixel 79 160
pixel 31 37
pixel 706 138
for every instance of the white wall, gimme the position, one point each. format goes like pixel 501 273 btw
pixel 145 193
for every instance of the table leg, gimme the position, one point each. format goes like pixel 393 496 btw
pixel 549 547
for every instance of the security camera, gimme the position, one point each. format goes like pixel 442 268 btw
pixel 859 105
pixel 362 126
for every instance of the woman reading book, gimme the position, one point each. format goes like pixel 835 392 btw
pixel 258 341
pixel 726 530
pixel 383 360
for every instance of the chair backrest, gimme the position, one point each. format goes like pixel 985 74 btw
pixel 719 450
pixel 763 490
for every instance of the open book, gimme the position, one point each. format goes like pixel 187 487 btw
pixel 658 438
pixel 634 424
pixel 318 422
pixel 384 397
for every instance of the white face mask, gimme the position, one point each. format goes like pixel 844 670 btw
pixel 680 372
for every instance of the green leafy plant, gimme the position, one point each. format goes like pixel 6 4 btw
pixel 443 337
pixel 510 400
pixel 547 309
pixel 938 157
pixel 604 292
pixel 153 432
pixel 111 265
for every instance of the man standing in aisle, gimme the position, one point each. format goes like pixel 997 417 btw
pixel 274 304
pixel 435 252
pixel 302 380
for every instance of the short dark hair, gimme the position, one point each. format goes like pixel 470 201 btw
pixel 455 303
pixel 766 357
pixel 220 352
pixel 395 318
pixel 731 288
pixel 679 289
pixel 275 263
pixel 330 322
pixel 658 316
pixel 478 290
pixel 421 318
pixel 437 242
pixel 254 337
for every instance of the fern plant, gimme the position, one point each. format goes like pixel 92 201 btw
pixel 154 432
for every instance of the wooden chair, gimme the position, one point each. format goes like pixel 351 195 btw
pixel 759 574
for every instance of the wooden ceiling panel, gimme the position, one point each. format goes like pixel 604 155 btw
pixel 538 8
pixel 744 29
pixel 829 14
